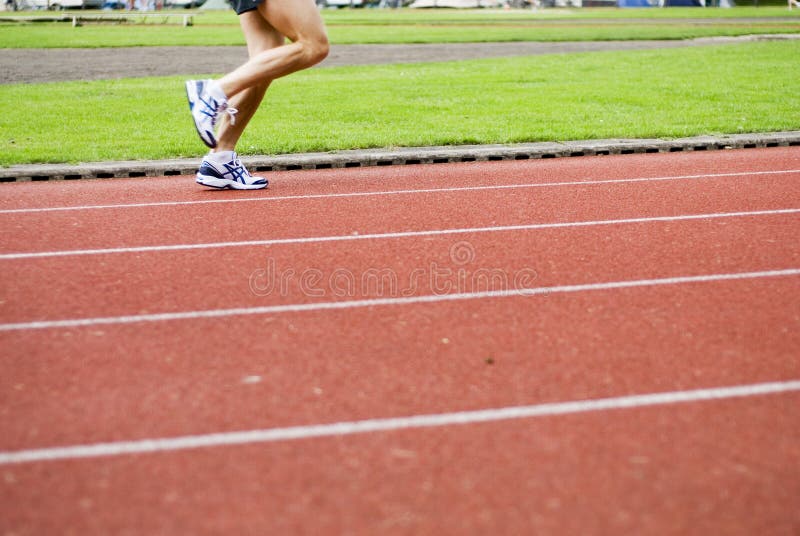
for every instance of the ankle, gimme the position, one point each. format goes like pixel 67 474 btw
pixel 216 91
pixel 221 155
pixel 224 147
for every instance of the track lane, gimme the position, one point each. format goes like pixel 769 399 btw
pixel 197 280
pixel 187 377
pixel 689 469
pixel 347 216
pixel 183 189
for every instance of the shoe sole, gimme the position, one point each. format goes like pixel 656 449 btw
pixel 192 97
pixel 224 184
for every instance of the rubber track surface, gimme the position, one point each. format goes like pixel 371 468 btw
pixel 664 273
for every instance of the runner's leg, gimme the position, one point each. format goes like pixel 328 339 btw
pixel 300 21
pixel 260 37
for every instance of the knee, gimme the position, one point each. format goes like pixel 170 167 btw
pixel 316 49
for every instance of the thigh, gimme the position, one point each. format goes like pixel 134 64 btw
pixel 296 19
pixel 259 34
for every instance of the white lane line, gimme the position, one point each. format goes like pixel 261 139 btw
pixel 267 435
pixel 352 304
pixel 403 234
pixel 576 182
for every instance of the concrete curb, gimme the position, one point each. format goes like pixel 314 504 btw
pixel 402 156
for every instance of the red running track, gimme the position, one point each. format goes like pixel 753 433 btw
pixel 132 310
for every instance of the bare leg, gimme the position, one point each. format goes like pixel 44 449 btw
pixel 261 37
pixel 300 21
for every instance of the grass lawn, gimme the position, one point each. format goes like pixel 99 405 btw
pixel 425 26
pixel 658 93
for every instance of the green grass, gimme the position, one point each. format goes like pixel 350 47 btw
pixel 427 26
pixel 52 36
pixel 666 93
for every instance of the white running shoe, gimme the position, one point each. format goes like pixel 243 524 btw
pixel 205 109
pixel 228 174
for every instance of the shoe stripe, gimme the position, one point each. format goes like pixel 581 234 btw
pixel 238 173
pixel 210 109
pixel 209 170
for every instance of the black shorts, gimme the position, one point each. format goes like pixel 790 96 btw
pixel 240 6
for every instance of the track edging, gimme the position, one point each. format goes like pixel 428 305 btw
pixel 403 156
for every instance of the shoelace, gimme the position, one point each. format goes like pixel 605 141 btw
pixel 232 113
pixel 224 107
pixel 238 164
